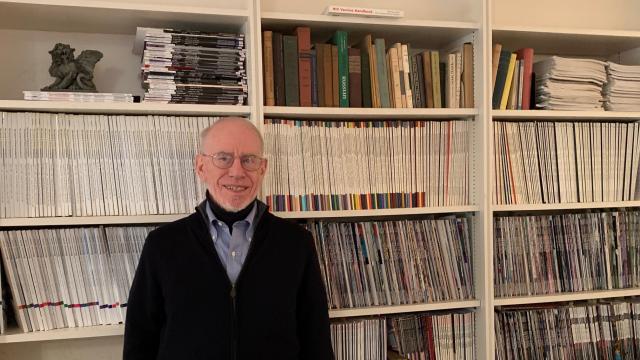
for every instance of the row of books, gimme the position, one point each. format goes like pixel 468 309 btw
pixel 299 73
pixel 359 339
pixel 602 330
pixel 431 336
pixel 550 254
pixel 329 165
pixel 92 165
pixel 395 262
pixel 70 277
pixel 565 162
pixel 193 67
pixel 512 74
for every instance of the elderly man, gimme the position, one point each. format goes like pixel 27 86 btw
pixel 230 281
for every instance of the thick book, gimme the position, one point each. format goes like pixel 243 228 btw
pixel 304 64
pixel 267 68
pixel 526 55
pixel 495 60
pixel 382 74
pixel 335 76
pixel 467 75
pixel 436 80
pixel 291 85
pixel 394 77
pixel 369 78
pixel 355 78
pixel 501 78
pixel 314 78
pixel 339 39
pixel 427 76
pixel 278 69
pixel 417 82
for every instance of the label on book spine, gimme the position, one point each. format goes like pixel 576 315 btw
pixel 366 12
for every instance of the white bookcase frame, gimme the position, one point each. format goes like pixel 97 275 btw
pixel 117 18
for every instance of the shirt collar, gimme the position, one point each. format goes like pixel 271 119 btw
pixel 250 219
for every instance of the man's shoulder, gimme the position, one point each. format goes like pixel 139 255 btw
pixel 175 230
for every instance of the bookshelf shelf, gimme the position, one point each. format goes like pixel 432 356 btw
pixel 89 220
pixel 16 336
pixel 344 214
pixel 564 115
pixel 539 299
pixel 325 113
pixel 570 206
pixel 578 42
pixel 113 17
pixel 123 108
pixel 440 33
pixel 397 309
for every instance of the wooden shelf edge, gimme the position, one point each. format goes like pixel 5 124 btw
pixel 570 206
pixel 367 113
pixel 123 108
pixel 540 299
pixel 566 31
pixel 374 213
pixel 15 336
pixel 397 309
pixel 563 115
pixel 311 18
pixel 136 6
pixel 90 220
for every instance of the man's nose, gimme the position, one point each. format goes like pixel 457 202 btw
pixel 236 169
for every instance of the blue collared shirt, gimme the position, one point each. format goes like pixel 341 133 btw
pixel 232 247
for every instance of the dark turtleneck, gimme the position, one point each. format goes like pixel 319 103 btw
pixel 229 217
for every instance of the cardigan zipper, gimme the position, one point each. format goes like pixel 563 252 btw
pixel 234 327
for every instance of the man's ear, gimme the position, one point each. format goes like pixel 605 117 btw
pixel 263 168
pixel 199 160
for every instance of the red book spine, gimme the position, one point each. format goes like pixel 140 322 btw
pixel 526 54
pixel 304 64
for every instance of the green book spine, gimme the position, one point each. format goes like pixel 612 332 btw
pixel 366 79
pixel 382 70
pixel 340 40
pixel 291 87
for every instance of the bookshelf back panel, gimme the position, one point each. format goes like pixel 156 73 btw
pixel 579 14
pixel 453 10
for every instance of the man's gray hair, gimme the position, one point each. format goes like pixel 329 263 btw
pixel 205 132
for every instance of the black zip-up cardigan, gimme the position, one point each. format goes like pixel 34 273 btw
pixel 182 304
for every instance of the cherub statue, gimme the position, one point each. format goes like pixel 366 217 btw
pixel 72 74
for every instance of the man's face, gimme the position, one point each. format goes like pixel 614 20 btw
pixel 233 188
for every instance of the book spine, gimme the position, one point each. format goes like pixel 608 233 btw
pixel 267 62
pixel 304 64
pixel 365 78
pixel 406 71
pixel 501 78
pixel 314 78
pixel 526 54
pixel 381 70
pixel 435 79
pixel 427 79
pixel 355 78
pixel 335 76
pixel 340 40
pixel 416 83
pixel 467 75
pixel 508 82
pixel 278 69
pixel 290 50
pixel 320 74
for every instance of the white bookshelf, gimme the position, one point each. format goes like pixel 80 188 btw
pixel 367 113
pixel 16 336
pixel 399 309
pixel 577 296
pixel 375 213
pixel 566 206
pixel 142 108
pixel 564 115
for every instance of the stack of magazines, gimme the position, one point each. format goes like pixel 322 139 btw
pixel 569 84
pixel 77 96
pixel 622 92
pixel 193 67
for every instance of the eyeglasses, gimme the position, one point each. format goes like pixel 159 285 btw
pixel 225 160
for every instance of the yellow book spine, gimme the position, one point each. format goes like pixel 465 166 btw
pixel 507 83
